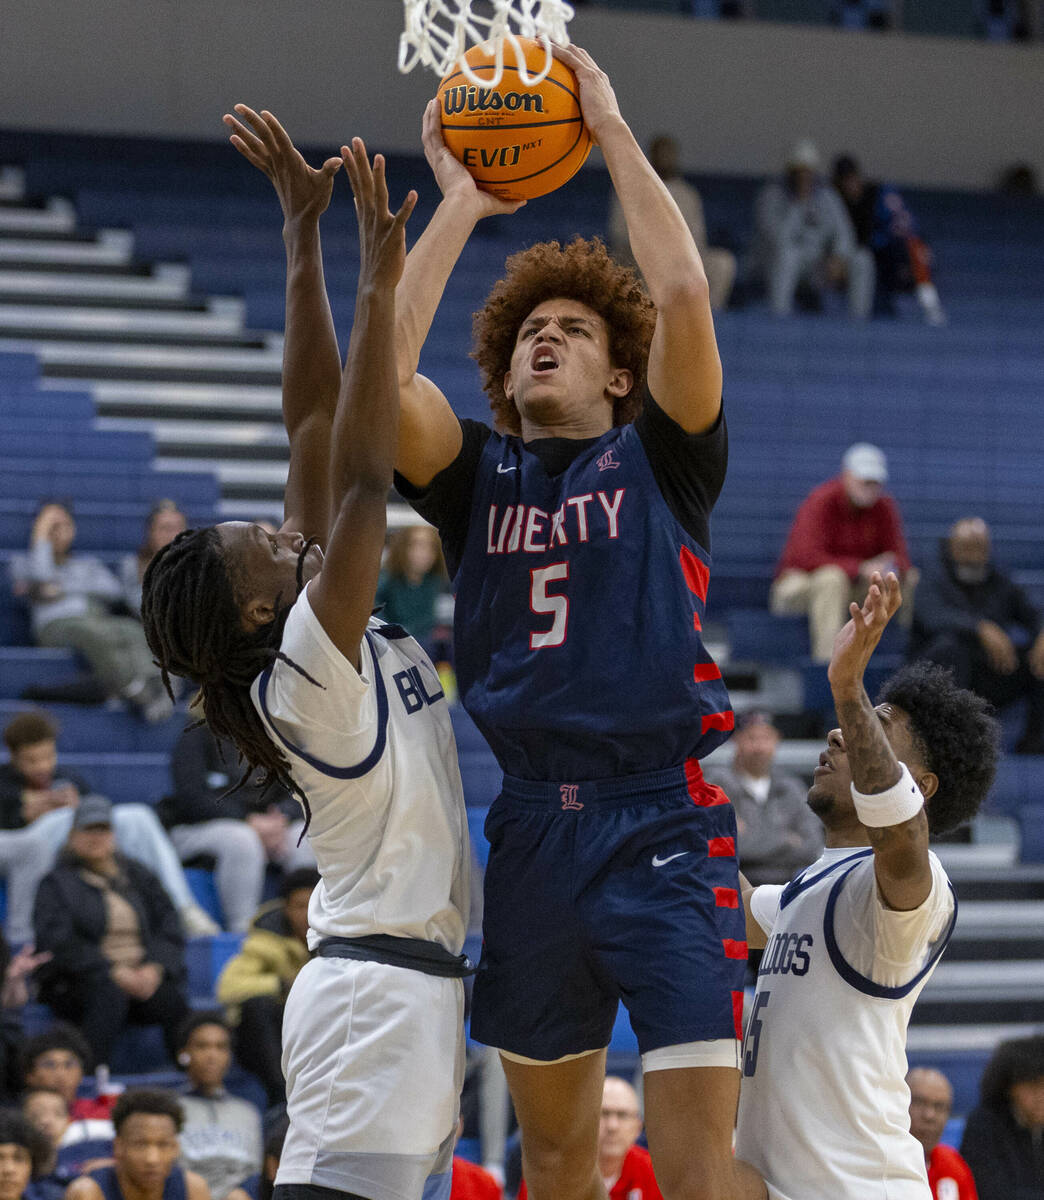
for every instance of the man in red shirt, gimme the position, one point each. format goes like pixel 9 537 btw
pixel 626 1169
pixel 845 529
pixel 931 1099
pixel 471 1182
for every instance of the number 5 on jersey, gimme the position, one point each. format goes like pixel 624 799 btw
pixel 545 603
pixel 754 1030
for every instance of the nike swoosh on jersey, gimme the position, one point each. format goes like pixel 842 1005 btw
pixel 662 862
pixel 502 470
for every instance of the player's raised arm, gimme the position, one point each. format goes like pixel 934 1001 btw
pixel 366 425
pixel 684 367
pixel 429 433
pixel 311 359
pixel 888 800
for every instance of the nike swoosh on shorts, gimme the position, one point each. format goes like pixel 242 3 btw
pixel 502 470
pixel 662 862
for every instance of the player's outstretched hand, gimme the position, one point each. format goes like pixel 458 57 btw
pixel 382 235
pixel 454 179
pixel 597 99
pixel 857 641
pixel 303 191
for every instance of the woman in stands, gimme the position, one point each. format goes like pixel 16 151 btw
pixel 346 712
pixel 163 524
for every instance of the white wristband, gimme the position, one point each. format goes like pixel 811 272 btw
pixel 902 802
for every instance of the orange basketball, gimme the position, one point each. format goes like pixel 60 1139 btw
pixel 518 142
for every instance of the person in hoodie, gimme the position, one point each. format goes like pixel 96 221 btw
pixel 972 617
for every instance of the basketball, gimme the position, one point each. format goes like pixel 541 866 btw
pixel 518 142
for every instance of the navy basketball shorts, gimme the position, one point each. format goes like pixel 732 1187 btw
pixel 616 890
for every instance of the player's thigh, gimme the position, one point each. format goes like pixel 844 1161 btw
pixel 558 1104
pixel 690 1113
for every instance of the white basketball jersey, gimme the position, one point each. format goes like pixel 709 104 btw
pixel 824 1107
pixel 373 752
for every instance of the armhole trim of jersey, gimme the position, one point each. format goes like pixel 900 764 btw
pixel 860 982
pixel 364 765
pixel 804 881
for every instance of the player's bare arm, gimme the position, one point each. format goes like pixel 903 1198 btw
pixel 901 862
pixel 311 359
pixel 757 938
pixel 366 424
pixel 684 366
pixel 196 1187
pixel 429 432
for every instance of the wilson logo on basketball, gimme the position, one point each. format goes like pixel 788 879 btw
pixel 464 99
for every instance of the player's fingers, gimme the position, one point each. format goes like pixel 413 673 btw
pixel 363 171
pixel 331 166
pixel 281 137
pixel 256 122
pixel 245 136
pixel 405 210
pixel 348 159
pixel 247 153
pixel 380 184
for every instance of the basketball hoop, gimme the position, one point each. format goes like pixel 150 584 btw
pixel 438 32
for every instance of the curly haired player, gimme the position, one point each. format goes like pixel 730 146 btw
pixel 577 532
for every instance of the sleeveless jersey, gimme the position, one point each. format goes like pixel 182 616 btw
pixel 824 1106
pixel 373 752
pixel 173 1189
pixel 579 605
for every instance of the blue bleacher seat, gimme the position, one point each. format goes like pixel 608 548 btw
pixel 205 957
pixel 204 890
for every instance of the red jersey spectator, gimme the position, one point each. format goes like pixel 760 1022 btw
pixel 626 1169
pixel 845 529
pixel 471 1182
pixel 931 1101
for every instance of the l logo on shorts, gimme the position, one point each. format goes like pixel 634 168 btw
pixel 568 792
pixel 662 862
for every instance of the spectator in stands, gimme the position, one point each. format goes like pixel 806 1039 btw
pixel 845 529
pixel 38 799
pixel 243 830
pixel 57 1060
pixel 625 1167
pixel 412 584
pixel 1003 1139
pixel 163 524
pixel 256 982
pixel 70 597
pixel 886 227
pixel 931 1102
pixel 469 1180
pixel 14 995
pixel 24 1152
pixel 778 834
pixel 967 610
pixel 259 1185
pixel 78 1145
pixel 117 947
pixel 221 1137
pixel 804 242
pixel 718 264
pixel 145 1151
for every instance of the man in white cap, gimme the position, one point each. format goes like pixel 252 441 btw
pixel 845 529
pixel 804 238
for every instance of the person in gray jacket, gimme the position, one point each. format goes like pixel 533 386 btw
pixel 778 834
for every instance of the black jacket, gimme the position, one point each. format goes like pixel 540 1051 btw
pixel 69 919
pixel 12 784
pixel 1006 1159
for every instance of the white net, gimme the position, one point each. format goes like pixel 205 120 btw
pixel 439 32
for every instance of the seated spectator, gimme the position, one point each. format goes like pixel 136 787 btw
pixel 778 834
pixel 931 1102
pixel 967 610
pixel 57 1060
pixel 719 265
pixel 259 1185
pixel 413 584
pixel 255 983
pixel 221 1137
pixel 163 524
pixel 24 1152
pixel 118 954
pixel 243 830
pixel 845 529
pixel 70 596
pixel 37 801
pixel 145 1152
pixel 470 1181
pixel 804 243
pixel 626 1168
pixel 14 995
pixel 78 1145
pixel 886 227
pixel 1003 1136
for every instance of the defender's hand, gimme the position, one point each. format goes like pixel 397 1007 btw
pixel 453 177
pixel 303 191
pixel 857 641
pixel 382 236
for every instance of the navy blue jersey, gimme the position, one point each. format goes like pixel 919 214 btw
pixel 579 603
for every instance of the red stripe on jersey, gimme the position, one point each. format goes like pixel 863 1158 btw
pixel 734 949
pixel 696 572
pixel 702 672
pixel 737 1013
pixel 721 848
pixel 697 624
pixel 726 898
pixel 719 720
pixel 705 794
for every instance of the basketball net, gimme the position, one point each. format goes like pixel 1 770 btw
pixel 439 32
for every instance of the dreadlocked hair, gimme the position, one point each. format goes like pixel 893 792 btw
pixel 192 625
